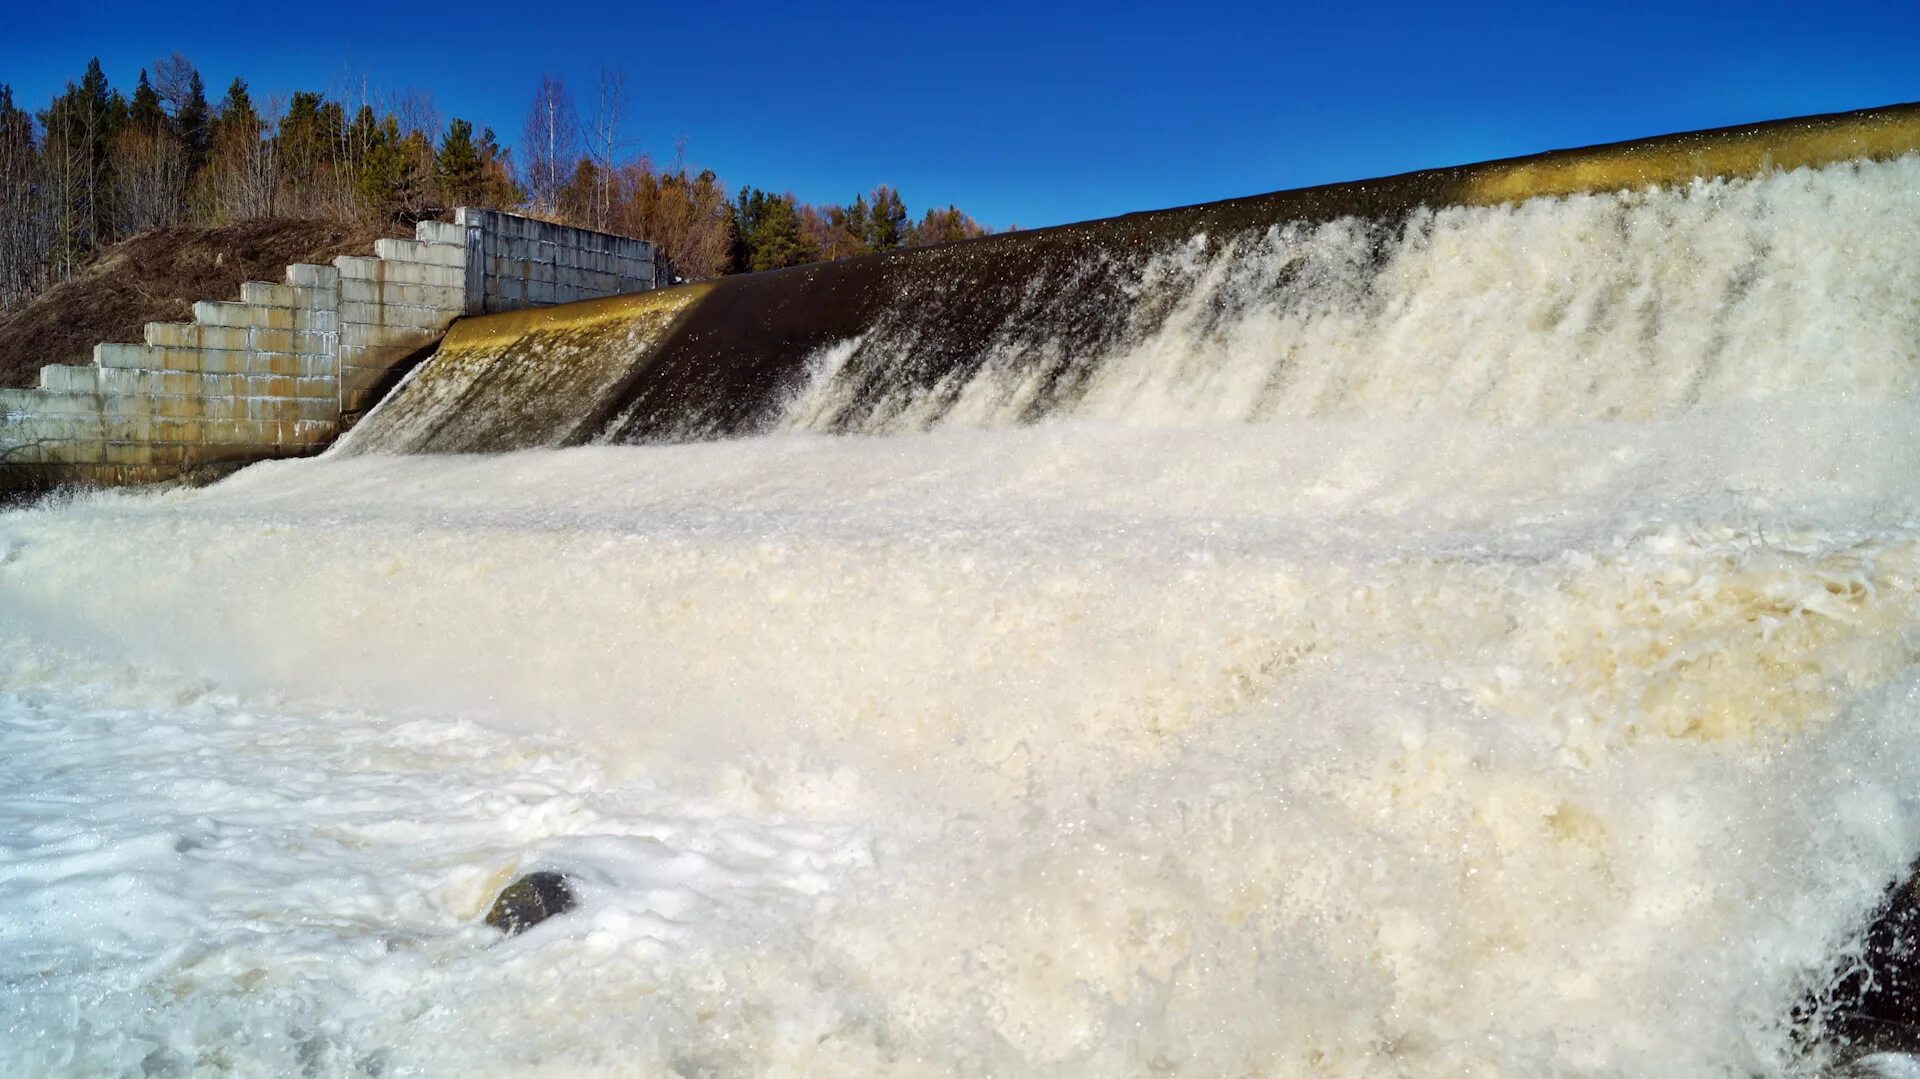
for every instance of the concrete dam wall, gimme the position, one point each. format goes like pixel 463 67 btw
pixel 281 371
pixel 1271 305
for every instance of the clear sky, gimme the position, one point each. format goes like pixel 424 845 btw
pixel 1044 111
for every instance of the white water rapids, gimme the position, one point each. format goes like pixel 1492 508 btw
pixel 1496 661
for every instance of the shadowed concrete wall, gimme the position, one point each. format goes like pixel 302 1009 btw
pixel 515 262
pixel 736 349
pixel 282 370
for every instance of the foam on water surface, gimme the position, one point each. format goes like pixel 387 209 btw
pixel 1321 749
pixel 213 887
pixel 1387 736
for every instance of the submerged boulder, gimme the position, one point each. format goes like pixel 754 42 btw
pixel 531 900
pixel 1874 1003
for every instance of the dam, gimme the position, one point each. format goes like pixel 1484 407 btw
pixel 1463 623
pixel 1015 328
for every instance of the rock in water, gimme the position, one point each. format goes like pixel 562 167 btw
pixel 529 901
pixel 1874 1006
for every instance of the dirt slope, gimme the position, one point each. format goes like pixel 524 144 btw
pixel 155 277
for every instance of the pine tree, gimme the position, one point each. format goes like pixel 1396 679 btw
pixel 303 138
pixel 458 173
pixel 748 208
pixel 80 126
pixel 498 188
pixel 779 242
pixel 236 119
pixel 849 226
pixel 93 86
pixel 307 147
pixel 14 122
pixel 416 170
pixel 149 166
pixel 146 115
pixel 110 164
pixel 190 123
pixel 389 180
pixel 243 177
pixel 767 233
pixel 887 221
pixel 361 135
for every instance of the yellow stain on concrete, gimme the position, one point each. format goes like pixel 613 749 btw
pixel 524 378
pixel 1811 142
pixel 485 334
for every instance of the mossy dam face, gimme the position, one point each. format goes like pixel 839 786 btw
pixel 1463 623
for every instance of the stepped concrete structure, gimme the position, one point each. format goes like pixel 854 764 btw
pixel 289 365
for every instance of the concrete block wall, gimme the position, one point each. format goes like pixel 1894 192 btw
pixel 282 370
pixel 514 262
pixel 394 304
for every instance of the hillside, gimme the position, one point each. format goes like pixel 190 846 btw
pixel 156 277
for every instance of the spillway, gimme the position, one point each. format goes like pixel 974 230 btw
pixel 1417 634
pixel 1641 279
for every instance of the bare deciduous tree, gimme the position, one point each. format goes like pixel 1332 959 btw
pixel 687 217
pixel 551 135
pixel 22 227
pixel 603 142
pixel 149 180
pixel 98 167
pixel 248 166
pixel 415 111
pixel 173 81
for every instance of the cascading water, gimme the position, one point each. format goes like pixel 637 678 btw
pixel 1481 642
pixel 1598 307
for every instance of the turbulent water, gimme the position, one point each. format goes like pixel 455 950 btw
pixel 1799 288
pixel 1490 650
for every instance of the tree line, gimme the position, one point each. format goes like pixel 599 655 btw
pixel 97 165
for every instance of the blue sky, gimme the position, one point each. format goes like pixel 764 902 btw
pixel 1038 113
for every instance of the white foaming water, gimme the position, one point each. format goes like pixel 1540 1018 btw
pixel 1390 738
pixel 1794 287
